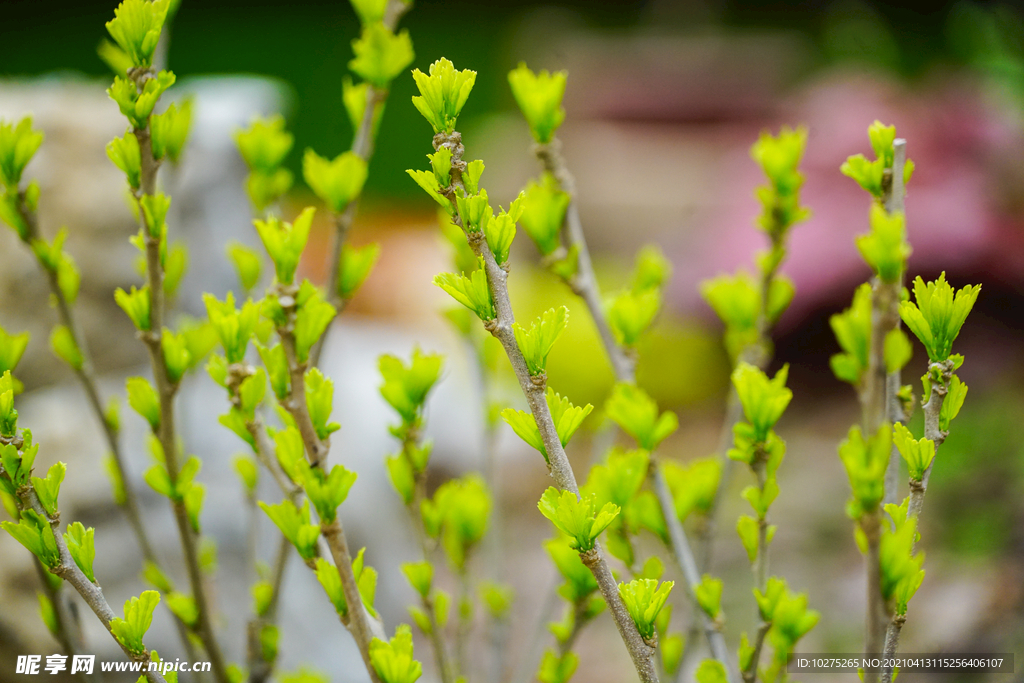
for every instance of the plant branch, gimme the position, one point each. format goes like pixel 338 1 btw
pixel 585 285
pixel 894 203
pixel 362 145
pixel 533 389
pixel 166 390
pixel 683 554
pixel 90 592
pixel 359 622
pixel 750 673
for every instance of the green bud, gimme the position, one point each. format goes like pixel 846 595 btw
pixel 247 472
pixel 48 489
pixel 355 98
pixel 294 524
pixel 536 342
pixel 543 210
pixel 335 182
pixel 557 669
pixel 917 452
pixel 637 414
pixel 12 347
pixel 652 269
pixel 937 315
pixel 644 599
pixel 370 11
pixel 328 576
pixel 498 598
pixel 18 144
pixel 865 462
pixel 177 358
pixel 380 55
pixel 154 209
pixel 285 242
pixel 405 388
pixel 565 415
pixel 266 188
pixel 539 97
pixel 311 320
pixel 955 396
pixel 247 264
pixel 8 415
pixel 428 181
pixel 501 229
pixel 393 661
pixel 136 28
pixel 138 612
pixel 35 533
pixel 265 144
pixel 764 400
pixel 63 345
pixel 125 154
pixel 694 486
pixel 114 57
pixel 885 248
pixel 277 368
pixel 234 327
pixel 143 399
pixel 852 328
pixel 472 292
pixel 48 614
pixel 354 267
pixel 463 507
pixel 320 400
pixel 579 518
pixel 711 671
pixel 169 131
pixel 420 576
pixel 443 93
pixel 896 350
pixel 327 491
pixel 137 105
pixel 630 314
pixel 779 157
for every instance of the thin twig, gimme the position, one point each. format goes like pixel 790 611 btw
pixel 359 622
pixel 362 146
pixel 585 285
pixel 166 391
pixel 894 204
pixel 90 592
pixel 533 389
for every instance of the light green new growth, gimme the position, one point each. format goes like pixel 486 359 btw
pixel 936 315
pixel 644 599
pixel 539 96
pixel 567 419
pixel 577 517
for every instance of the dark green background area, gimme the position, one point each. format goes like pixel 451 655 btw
pixel 307 45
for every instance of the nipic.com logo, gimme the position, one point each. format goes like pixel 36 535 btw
pixel 54 664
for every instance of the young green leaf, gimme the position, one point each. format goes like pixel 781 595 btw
pixel 337 182
pixel 393 661
pixel 537 341
pixel 917 452
pixel 320 401
pixel 169 130
pixel 295 526
pixel 472 292
pixel 18 144
pixel 136 28
pixel 265 144
pixel 885 248
pixel 380 55
pixel 405 387
pixel 285 242
pixel 234 326
pixel 327 491
pixel 954 401
pixel 420 576
pixel 764 400
pixel 631 313
pixel 443 93
pixel 557 669
pixel 63 345
pixel 12 347
pixel 539 97
pixel 937 315
pixel 328 576
pixel 49 488
pixel 138 615
pixel 644 599
pixel 311 320
pixel 354 267
pixel 579 518
pixel 865 462
pixel 125 154
pixel 852 329
pixel 543 210
pixel 136 304
pixel 708 594
pixel 637 414
pixel 143 399
pixel 565 415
